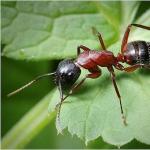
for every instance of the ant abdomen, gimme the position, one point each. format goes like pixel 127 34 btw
pixel 137 52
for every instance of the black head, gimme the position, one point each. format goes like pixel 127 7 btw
pixel 66 74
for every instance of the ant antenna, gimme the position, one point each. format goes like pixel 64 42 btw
pixel 30 83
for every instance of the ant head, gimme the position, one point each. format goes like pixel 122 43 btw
pixel 66 74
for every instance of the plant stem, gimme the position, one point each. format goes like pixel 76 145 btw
pixel 29 126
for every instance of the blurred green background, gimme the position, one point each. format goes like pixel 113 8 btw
pixel 15 73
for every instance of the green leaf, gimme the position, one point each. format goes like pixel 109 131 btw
pixel 52 30
pixel 128 13
pixel 137 34
pixel 94 110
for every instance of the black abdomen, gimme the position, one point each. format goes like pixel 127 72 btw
pixel 138 52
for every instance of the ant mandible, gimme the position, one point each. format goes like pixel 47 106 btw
pixel 136 54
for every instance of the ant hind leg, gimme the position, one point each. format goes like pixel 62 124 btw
pixel 111 70
pixel 135 67
pixel 127 32
pixel 131 68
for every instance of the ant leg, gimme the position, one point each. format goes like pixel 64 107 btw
pixel 134 67
pixel 119 66
pixel 82 47
pixel 74 88
pixel 111 70
pixel 131 68
pixel 100 38
pixel 126 35
pixel 95 73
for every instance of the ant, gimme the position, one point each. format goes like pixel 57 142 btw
pixel 136 54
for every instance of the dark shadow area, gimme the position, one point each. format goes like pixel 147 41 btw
pixel 144 6
pixel 144 72
pixel 14 75
pixel 99 143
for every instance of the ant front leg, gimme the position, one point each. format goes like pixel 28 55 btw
pixel 95 73
pixel 127 32
pixel 82 47
pixel 111 70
